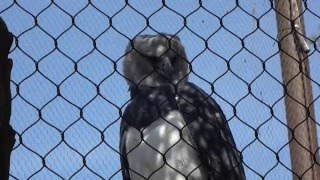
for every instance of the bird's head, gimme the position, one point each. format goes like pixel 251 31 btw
pixel 155 60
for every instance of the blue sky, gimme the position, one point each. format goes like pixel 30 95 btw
pixel 83 115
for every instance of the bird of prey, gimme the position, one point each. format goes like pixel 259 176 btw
pixel 171 129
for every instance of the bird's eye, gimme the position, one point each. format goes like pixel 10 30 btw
pixel 174 60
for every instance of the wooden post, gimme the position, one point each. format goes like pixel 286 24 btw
pixel 298 94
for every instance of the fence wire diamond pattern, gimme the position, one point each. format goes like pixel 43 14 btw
pixel 69 92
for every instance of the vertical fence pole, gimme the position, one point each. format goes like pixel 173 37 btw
pixel 6 132
pixel 298 94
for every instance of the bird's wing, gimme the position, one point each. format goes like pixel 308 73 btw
pixel 123 150
pixel 138 114
pixel 211 133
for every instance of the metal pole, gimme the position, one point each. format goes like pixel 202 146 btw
pixel 298 95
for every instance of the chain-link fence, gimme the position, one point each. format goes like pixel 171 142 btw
pixel 69 92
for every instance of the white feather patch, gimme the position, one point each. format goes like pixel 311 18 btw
pixel 162 139
pixel 160 50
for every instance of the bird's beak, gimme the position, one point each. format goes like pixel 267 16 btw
pixel 168 70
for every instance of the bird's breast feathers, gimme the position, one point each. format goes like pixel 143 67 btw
pixel 162 152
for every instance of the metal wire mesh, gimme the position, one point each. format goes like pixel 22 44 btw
pixel 69 92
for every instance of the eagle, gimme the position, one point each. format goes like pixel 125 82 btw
pixel 171 129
